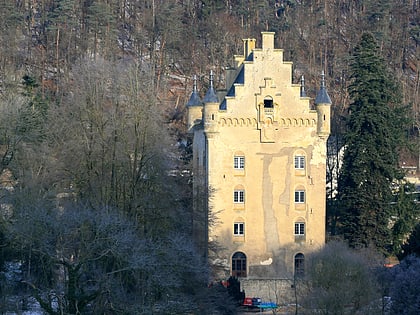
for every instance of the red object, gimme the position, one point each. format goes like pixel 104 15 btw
pixel 248 301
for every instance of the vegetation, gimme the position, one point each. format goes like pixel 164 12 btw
pixel 373 137
pixel 92 127
pixel 412 246
pixel 340 281
pixel 404 286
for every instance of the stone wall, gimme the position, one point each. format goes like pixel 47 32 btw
pixel 279 291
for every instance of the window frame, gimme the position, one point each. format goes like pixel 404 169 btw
pixel 299 229
pixel 300 196
pixel 239 229
pixel 239 162
pixel 239 196
pixel 300 162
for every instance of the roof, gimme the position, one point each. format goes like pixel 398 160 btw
pixel 211 96
pixel 322 96
pixel 195 99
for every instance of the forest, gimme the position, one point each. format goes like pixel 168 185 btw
pixel 95 178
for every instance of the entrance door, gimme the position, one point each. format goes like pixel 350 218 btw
pixel 239 265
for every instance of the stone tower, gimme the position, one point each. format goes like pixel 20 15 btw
pixel 259 165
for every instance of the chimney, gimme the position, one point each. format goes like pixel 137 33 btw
pixel 249 45
pixel 267 40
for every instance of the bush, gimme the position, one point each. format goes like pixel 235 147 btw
pixel 404 291
pixel 339 280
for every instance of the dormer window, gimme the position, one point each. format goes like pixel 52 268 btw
pixel 268 102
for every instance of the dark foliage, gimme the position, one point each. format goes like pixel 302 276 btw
pixel 405 298
pixel 234 290
pixel 412 246
pixel 370 164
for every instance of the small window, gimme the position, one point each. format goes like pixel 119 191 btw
pixel 268 102
pixel 299 196
pixel 299 265
pixel 239 229
pixel 239 196
pixel 299 162
pixel 299 228
pixel 239 265
pixel 239 162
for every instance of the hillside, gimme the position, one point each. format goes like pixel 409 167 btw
pixel 177 39
pixel 95 182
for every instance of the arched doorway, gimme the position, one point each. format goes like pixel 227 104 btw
pixel 299 265
pixel 239 265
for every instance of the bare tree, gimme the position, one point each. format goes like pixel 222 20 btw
pixel 114 123
pixel 76 259
pixel 340 281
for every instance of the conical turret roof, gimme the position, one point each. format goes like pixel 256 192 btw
pixel 322 96
pixel 195 99
pixel 211 96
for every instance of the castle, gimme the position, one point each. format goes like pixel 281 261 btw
pixel 259 170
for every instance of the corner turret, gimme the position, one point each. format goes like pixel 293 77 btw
pixel 323 108
pixel 211 96
pixel 211 108
pixel 194 108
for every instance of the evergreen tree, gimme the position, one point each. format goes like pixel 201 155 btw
pixel 374 135
pixel 406 219
pixel 412 247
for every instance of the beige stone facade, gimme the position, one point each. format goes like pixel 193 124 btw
pixel 260 149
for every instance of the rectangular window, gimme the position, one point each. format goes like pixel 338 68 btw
pixel 239 162
pixel 299 228
pixel 239 196
pixel 239 229
pixel 300 162
pixel 299 196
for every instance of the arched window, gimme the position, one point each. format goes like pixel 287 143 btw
pixel 239 194
pixel 300 228
pixel 239 265
pixel 299 162
pixel 299 265
pixel 239 228
pixel 300 195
